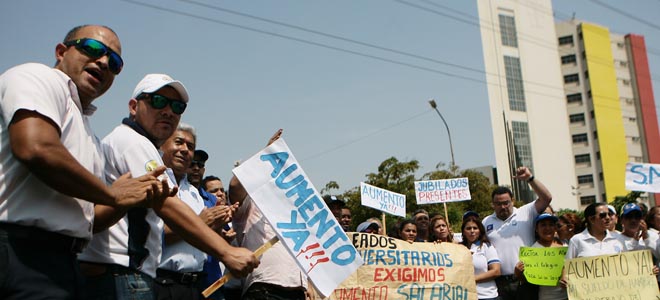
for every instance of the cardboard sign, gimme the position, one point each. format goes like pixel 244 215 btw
pixel 543 265
pixel 627 275
pixel 439 191
pixel 383 200
pixel 395 269
pixel 302 220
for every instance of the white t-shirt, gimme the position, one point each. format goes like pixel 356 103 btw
pixel 584 244
pixel 482 257
pixel 128 151
pixel 509 235
pixel 24 198
pixel 277 266
pixel 181 256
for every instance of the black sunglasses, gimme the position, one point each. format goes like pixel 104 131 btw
pixel 96 50
pixel 605 214
pixel 159 102
pixel 197 163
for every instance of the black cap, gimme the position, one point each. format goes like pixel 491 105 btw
pixel 470 213
pixel 203 156
pixel 333 200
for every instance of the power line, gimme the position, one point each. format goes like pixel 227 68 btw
pixel 527 90
pixel 375 132
pixel 623 13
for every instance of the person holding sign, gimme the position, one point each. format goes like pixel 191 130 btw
pixel 278 276
pixel 408 231
pixel 634 234
pixel 596 239
pixel 484 257
pixel 510 228
pixel 440 231
pixel 545 229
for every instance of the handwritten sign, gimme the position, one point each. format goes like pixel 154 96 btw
pixel 624 276
pixel 302 220
pixel 643 177
pixel 439 191
pixel 395 269
pixel 543 265
pixel 383 200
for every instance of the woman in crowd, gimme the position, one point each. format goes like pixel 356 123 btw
pixel 408 230
pixel 568 225
pixel 484 257
pixel 440 231
pixel 596 239
pixel 545 231
pixel 653 219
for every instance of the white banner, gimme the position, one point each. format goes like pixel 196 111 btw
pixel 302 220
pixel 439 191
pixel 383 200
pixel 643 177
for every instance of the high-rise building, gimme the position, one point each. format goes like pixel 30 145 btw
pixel 526 97
pixel 612 116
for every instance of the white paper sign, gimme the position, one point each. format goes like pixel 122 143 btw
pixel 383 200
pixel 302 220
pixel 643 177
pixel 445 190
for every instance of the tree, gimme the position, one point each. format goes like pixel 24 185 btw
pixel 399 177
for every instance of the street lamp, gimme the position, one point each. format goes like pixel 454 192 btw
pixel 451 147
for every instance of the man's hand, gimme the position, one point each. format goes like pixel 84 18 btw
pixel 240 261
pixel 523 173
pixel 228 235
pixel 217 216
pixel 145 190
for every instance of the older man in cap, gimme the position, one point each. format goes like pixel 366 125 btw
pixel 122 258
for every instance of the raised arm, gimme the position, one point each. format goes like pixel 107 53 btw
pixel 523 173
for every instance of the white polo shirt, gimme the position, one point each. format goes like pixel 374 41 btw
pixel 483 255
pixel 584 244
pixel 509 235
pixel 181 256
pixel 24 199
pixel 128 151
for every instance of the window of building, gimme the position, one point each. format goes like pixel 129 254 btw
pixel 632 120
pixel 589 94
pixel 514 83
pixel 572 78
pixel 522 144
pixel 600 176
pixel 583 159
pixel 635 139
pixel 508 31
pixel 574 98
pixel 576 118
pixel 620 44
pixel 580 138
pixel 586 200
pixel 586 74
pixel 568 59
pixel 625 82
pixel 585 179
pixel 593 115
pixel 566 40
pixel 623 63
pixel 595 135
pixel 598 155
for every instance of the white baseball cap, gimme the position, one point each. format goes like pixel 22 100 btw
pixel 154 82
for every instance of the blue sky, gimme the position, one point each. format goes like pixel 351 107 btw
pixel 345 103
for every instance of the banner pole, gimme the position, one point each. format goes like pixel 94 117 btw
pixel 384 225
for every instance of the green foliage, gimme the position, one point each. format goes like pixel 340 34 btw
pixel 399 177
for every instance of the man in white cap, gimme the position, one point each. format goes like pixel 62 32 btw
pixel 615 218
pixel 121 260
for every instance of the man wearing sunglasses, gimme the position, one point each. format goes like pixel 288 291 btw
pixel 51 165
pixel 122 258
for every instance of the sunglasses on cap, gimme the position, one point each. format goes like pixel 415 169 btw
pixel 95 50
pixel 197 163
pixel 159 102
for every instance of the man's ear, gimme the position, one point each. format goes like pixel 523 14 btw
pixel 132 107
